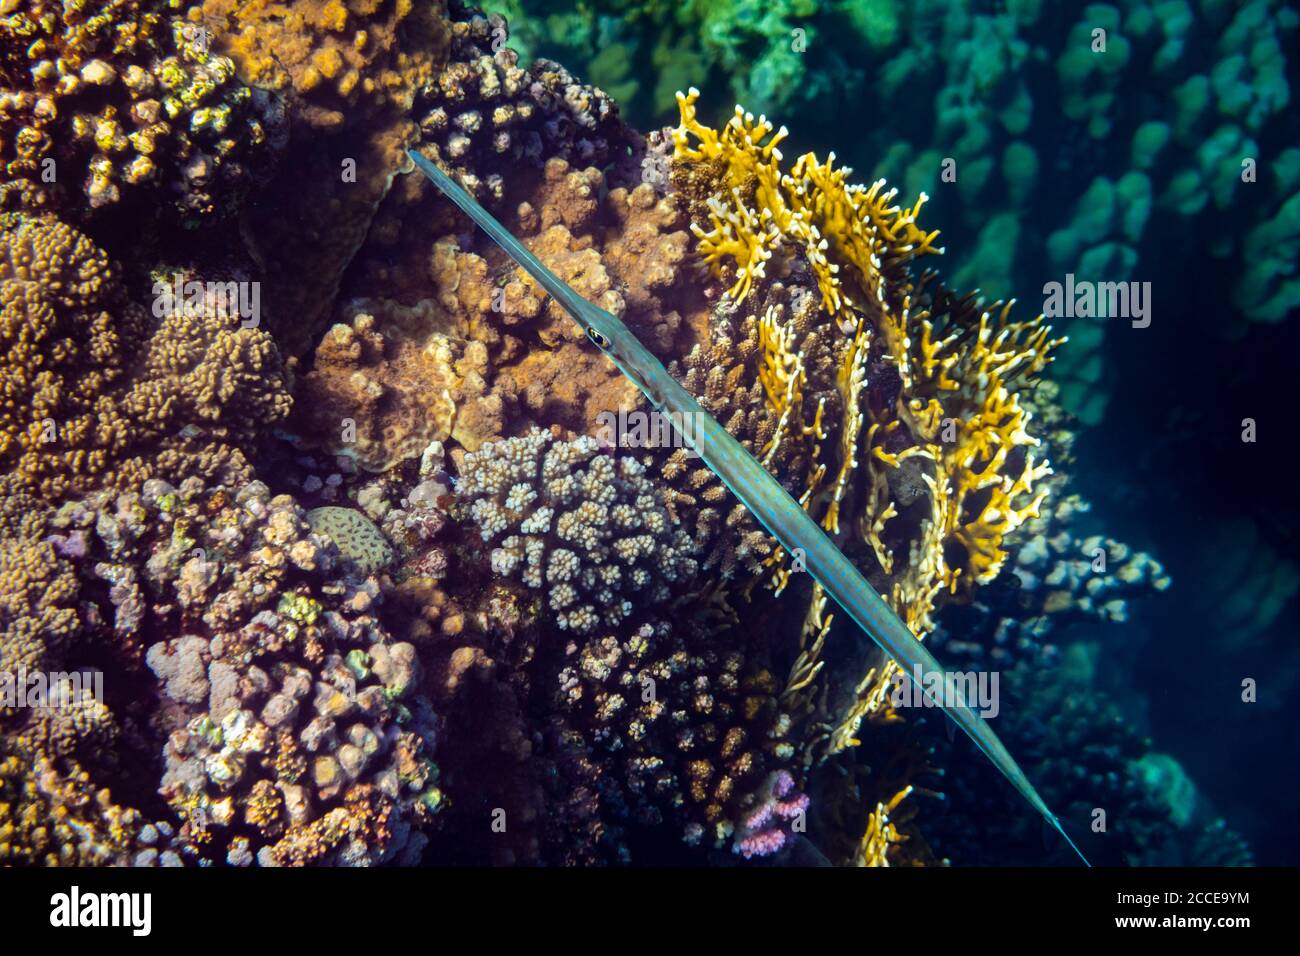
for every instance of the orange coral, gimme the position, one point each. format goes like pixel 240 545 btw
pixel 340 56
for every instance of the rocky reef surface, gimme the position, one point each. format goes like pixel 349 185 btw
pixel 321 487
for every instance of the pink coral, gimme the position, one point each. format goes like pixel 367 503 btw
pixel 769 826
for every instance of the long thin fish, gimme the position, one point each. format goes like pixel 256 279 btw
pixel 749 481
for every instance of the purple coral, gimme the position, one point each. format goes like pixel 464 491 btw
pixel 770 824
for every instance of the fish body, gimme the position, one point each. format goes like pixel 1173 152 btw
pixel 760 493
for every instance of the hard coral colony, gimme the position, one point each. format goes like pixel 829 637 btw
pixel 356 571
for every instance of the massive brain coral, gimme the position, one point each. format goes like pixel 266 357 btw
pixel 585 528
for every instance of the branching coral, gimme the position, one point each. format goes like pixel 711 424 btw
pixel 585 528
pixel 125 101
pixel 918 380
pixel 1057 572
pixel 485 112
pixel 693 730
pixel 93 391
pixel 892 409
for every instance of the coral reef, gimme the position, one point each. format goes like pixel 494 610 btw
pixel 368 577
pixel 389 382
pixel 497 356
pixel 1059 574
pixel 585 528
pixel 484 107
pixel 126 104
pixel 348 74
pixel 751 52
pixel 293 733
pixel 95 391
pixel 53 819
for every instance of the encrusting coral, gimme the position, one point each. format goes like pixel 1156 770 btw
pixel 394 379
pixel 480 353
pixel 348 74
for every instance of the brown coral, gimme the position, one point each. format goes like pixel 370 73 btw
pixel 689 719
pixel 393 380
pixel 346 60
pixel 349 72
pixel 54 818
pixel 122 101
pixel 91 392
pixel 38 614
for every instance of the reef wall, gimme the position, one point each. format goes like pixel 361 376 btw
pixel 315 478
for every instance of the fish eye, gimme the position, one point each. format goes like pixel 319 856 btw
pixel 600 340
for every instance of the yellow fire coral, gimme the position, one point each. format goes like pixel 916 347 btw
pixel 813 209
pixel 881 835
pixel 932 462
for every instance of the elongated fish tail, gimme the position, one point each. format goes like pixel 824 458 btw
pixel 1056 822
pixel 760 493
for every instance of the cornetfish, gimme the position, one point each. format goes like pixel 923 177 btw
pixel 774 508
